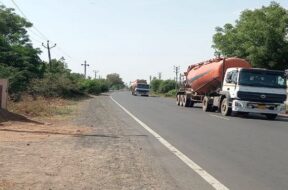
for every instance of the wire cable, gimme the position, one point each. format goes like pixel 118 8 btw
pixel 23 14
pixel 39 34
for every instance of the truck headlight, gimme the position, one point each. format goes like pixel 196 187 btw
pixel 282 107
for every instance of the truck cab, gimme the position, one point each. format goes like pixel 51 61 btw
pixel 254 91
pixel 141 89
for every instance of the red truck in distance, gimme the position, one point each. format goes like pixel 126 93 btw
pixel 139 87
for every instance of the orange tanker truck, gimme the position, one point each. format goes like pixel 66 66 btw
pixel 232 85
pixel 139 87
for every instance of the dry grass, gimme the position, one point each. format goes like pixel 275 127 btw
pixel 42 107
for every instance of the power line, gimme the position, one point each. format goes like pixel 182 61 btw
pixel 40 34
pixel 35 39
pixel 33 32
pixel 60 49
pixel 29 29
pixel 23 14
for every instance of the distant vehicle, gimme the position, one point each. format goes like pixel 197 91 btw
pixel 231 84
pixel 140 87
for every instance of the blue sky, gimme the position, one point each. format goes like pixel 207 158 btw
pixel 135 38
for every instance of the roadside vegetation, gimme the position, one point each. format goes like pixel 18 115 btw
pixel 259 36
pixel 163 87
pixel 33 81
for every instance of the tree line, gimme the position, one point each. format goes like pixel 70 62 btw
pixel 166 87
pixel 27 73
pixel 259 36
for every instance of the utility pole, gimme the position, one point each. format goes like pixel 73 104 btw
pixel 181 78
pixel 150 79
pixel 159 75
pixel 176 70
pixel 85 66
pixel 49 48
pixel 95 73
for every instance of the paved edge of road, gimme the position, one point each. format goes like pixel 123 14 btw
pixel 195 167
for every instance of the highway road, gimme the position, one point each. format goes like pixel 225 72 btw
pixel 241 153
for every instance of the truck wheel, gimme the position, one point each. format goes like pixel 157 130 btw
pixel 178 100
pixel 225 110
pixel 181 100
pixel 206 106
pixel 271 116
pixel 186 101
pixel 191 103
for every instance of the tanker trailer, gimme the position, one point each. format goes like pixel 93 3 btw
pixel 230 84
pixel 139 87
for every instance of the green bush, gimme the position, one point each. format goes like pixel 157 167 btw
pixel 104 85
pixel 91 87
pixel 117 86
pixel 155 84
pixel 94 86
pixel 54 85
pixel 171 93
pixel 17 79
pixel 166 86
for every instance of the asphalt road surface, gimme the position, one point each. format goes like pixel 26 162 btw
pixel 241 153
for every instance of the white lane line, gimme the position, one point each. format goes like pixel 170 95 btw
pixel 219 117
pixel 195 167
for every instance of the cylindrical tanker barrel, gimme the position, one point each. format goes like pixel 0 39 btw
pixel 206 77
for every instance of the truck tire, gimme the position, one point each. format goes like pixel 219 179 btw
pixel 225 109
pixel 186 101
pixel 178 99
pixel 271 116
pixel 191 103
pixel 181 100
pixel 205 104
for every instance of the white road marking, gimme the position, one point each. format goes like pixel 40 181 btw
pixel 195 167
pixel 219 117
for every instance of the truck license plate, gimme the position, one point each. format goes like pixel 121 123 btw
pixel 261 106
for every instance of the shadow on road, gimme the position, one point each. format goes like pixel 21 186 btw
pixel 10 116
pixel 59 133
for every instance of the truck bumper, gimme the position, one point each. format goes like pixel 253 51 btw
pixel 258 107
pixel 142 93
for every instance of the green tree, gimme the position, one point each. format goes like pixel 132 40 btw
pixel 260 36
pixel 155 85
pixel 115 81
pixel 17 55
pixel 166 86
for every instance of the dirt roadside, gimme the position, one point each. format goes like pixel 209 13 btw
pixel 96 149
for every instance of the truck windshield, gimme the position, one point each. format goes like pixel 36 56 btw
pixel 146 86
pixel 262 78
